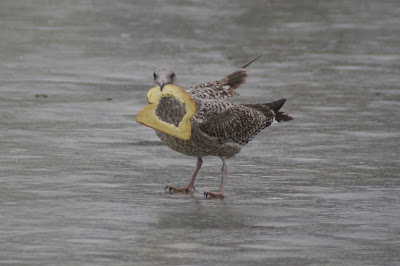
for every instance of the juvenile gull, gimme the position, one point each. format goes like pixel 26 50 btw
pixel 219 128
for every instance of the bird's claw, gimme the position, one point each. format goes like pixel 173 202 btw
pixel 180 189
pixel 214 195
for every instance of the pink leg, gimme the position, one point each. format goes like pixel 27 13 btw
pixel 220 193
pixel 190 186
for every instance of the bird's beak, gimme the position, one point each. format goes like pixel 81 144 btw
pixel 162 84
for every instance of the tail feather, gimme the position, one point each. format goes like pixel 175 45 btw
pixel 280 116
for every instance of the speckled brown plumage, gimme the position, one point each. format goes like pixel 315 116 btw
pixel 219 128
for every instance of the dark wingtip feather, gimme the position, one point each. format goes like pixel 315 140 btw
pixel 276 105
pixel 237 78
pixel 246 65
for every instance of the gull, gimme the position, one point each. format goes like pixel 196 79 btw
pixel 219 127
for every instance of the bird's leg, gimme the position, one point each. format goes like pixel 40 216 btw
pixel 220 193
pixel 190 186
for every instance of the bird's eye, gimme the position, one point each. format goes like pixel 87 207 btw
pixel 154 75
pixel 173 75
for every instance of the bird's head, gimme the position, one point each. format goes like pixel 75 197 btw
pixel 163 76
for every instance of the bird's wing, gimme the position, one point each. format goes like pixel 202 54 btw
pixel 222 88
pixel 219 89
pixel 230 122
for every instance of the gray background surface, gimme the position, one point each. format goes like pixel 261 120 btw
pixel 82 183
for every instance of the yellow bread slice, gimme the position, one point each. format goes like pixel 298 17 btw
pixel 147 116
